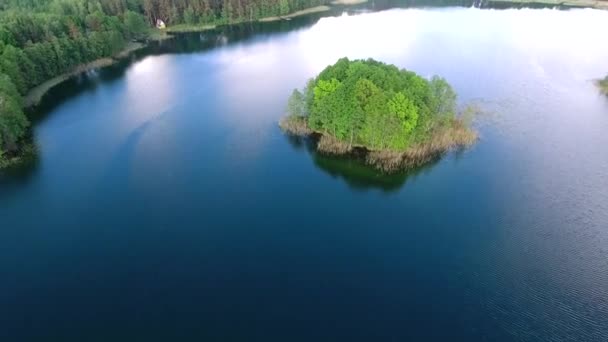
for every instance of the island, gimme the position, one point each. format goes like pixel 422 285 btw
pixel 393 118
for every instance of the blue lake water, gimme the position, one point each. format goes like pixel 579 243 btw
pixel 166 204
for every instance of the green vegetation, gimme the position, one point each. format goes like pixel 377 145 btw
pixel 27 152
pixel 190 28
pixel 603 85
pixel 13 123
pixel 400 118
pixel 43 42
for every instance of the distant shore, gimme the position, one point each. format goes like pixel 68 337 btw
pixel 348 2
pixel 33 97
pixel 185 28
pixel 316 9
pixel 598 4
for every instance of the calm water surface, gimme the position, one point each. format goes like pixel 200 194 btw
pixel 166 205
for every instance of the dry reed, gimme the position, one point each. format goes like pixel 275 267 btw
pixel 453 135
pixel 330 145
pixel 295 125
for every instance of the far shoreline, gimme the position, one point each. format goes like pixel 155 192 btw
pixel 35 95
pixel 348 2
pixel 310 10
pixel 597 4
pixel 191 28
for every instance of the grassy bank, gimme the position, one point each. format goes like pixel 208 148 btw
pixel 599 4
pixel 348 2
pixel 297 14
pixel 453 135
pixel 157 35
pixel 34 96
pixel 182 28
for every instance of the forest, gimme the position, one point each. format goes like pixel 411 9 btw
pixel 41 39
pixel 370 104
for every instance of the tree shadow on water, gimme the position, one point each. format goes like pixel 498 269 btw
pixel 118 170
pixel 353 170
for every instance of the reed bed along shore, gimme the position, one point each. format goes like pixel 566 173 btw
pixel 453 135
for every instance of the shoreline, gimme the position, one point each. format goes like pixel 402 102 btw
pixel 186 28
pixel 348 2
pixel 316 9
pixel 35 95
pixel 191 28
pixel 597 4
pixel 456 135
pixel 157 35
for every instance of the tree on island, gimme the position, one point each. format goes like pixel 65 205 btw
pixel 376 106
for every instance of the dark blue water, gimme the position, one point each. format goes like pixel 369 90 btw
pixel 166 205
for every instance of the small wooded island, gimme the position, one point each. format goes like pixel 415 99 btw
pixel 394 118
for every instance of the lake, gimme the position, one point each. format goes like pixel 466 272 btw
pixel 166 204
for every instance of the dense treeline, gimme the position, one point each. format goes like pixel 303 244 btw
pixel 41 39
pixel 220 11
pixel 401 119
pixel 13 122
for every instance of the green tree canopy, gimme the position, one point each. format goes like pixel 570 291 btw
pixel 135 24
pixel 374 104
pixel 13 123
